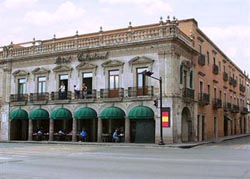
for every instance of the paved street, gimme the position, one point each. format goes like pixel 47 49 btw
pixel 230 159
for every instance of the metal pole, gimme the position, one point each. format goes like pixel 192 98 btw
pixel 161 138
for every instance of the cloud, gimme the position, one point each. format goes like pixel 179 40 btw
pixel 235 42
pixel 15 4
pixel 65 12
pixel 147 6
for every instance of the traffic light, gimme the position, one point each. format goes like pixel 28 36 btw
pixel 156 102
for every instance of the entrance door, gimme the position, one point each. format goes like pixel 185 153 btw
pixel 63 79
pixel 145 131
pixel 225 126
pixel 203 128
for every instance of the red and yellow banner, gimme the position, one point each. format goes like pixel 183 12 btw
pixel 165 117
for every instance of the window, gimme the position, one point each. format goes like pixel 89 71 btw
pixel 215 93
pixel 41 86
pixel 21 86
pixel 87 78
pixel 201 87
pixel 141 82
pixel 113 79
pixel 214 61
pixel 191 80
pixel 63 79
pixel 140 78
pixel 208 58
pixel 225 97
pixel 181 75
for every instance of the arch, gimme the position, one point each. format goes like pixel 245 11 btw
pixel 112 113
pixel 85 113
pixel 18 114
pixel 141 112
pixel 39 114
pixel 186 125
pixel 61 114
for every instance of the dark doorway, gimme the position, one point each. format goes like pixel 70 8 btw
pixel 143 131
pixel 19 130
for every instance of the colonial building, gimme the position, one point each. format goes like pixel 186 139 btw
pixel 96 82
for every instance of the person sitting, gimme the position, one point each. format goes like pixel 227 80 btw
pixel 61 134
pixel 115 136
pixel 83 135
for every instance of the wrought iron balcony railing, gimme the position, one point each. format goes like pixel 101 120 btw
pixel 201 60
pixel 204 98
pixel 112 93
pixel 225 76
pixel 235 109
pixel 140 91
pixel 18 97
pixel 217 103
pixel 242 88
pixel 227 106
pixel 215 69
pixel 89 94
pixel 36 97
pixel 188 93
pixel 61 96
pixel 244 110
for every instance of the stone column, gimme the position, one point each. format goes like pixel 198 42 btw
pixel 127 130
pixel 99 130
pixel 51 130
pixel 74 129
pixel 30 130
pixel 94 130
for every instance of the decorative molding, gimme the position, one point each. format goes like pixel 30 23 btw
pixel 62 60
pixel 20 73
pixel 112 63
pixel 141 60
pixel 62 68
pixel 85 56
pixel 39 71
pixel 201 74
pixel 85 66
pixel 215 81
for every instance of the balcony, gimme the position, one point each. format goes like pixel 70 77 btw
pixel 242 88
pixel 112 93
pixel 225 76
pixel 39 98
pixel 89 94
pixel 227 106
pixel 244 110
pixel 61 97
pixel 19 99
pixel 217 103
pixel 235 109
pixel 201 60
pixel 204 99
pixel 188 93
pixel 232 81
pixel 215 69
pixel 140 91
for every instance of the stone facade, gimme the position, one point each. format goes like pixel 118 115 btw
pixel 113 59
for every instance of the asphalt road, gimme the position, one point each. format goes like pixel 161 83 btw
pixel 227 160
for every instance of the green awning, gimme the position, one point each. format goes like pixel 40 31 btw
pixel 61 114
pixel 141 112
pixel 85 113
pixel 112 113
pixel 39 114
pixel 18 114
pixel 227 118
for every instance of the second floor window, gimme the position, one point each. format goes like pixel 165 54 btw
pixel 140 78
pixel 41 86
pixel 113 79
pixel 21 86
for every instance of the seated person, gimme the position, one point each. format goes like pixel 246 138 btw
pixel 39 132
pixel 115 136
pixel 83 135
pixel 61 132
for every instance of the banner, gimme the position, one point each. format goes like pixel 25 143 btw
pixel 165 117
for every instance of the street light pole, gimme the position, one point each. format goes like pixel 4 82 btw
pixel 149 73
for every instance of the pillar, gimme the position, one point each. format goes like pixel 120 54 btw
pixel 30 130
pixel 74 129
pixel 99 130
pixel 127 130
pixel 51 130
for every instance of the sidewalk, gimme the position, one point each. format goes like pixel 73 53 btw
pixel 179 145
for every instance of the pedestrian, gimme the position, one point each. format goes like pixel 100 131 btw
pixel 84 91
pixel 62 89
pixel 115 136
pixel 77 91
pixel 83 135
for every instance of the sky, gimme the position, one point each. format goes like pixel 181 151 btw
pixel 225 22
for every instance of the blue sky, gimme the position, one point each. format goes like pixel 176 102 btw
pixel 226 22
